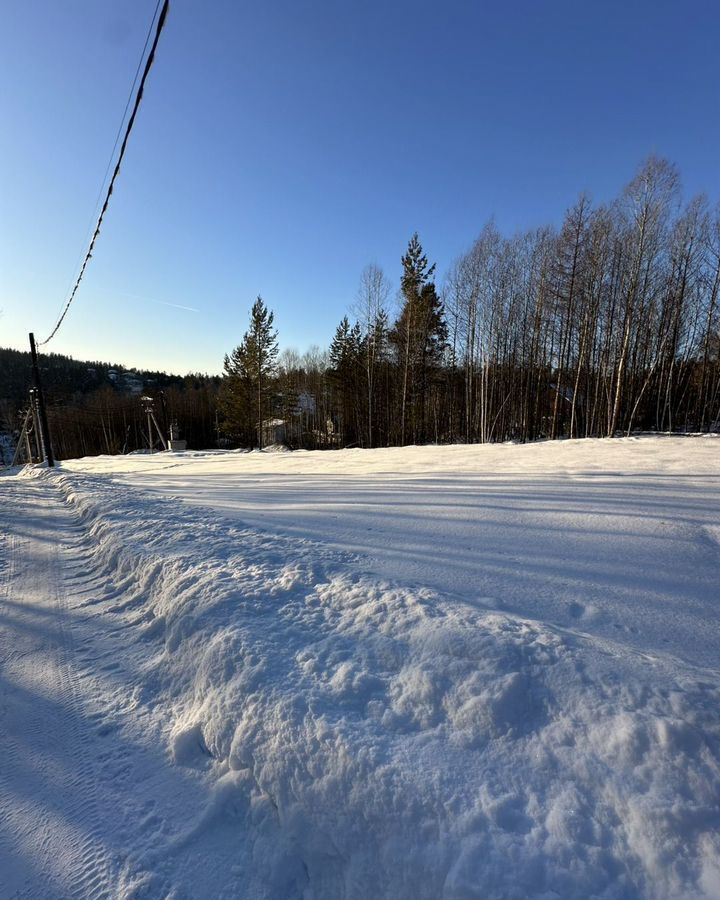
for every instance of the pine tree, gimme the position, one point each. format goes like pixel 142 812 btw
pixel 249 369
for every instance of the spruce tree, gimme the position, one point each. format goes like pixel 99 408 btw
pixel 248 373
pixel 345 374
pixel 420 338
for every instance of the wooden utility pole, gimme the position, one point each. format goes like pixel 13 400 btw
pixel 151 443
pixel 44 430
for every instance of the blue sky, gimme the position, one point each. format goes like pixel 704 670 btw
pixel 282 146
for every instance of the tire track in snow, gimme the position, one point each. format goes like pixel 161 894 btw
pixel 8 549
pixel 57 831
pixel 13 744
pixel 11 652
pixel 90 875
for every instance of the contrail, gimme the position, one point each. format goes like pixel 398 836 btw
pixel 148 299
pixel 165 303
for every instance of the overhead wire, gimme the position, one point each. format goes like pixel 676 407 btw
pixel 138 97
pixel 96 205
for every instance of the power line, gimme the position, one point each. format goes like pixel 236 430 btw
pixel 131 92
pixel 127 105
pixel 131 121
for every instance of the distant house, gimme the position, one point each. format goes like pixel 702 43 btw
pixel 273 432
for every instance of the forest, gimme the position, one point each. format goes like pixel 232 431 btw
pixel 609 324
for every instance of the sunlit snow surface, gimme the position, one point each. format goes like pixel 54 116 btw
pixel 437 672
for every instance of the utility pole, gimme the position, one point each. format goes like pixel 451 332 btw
pixel 44 430
pixel 151 443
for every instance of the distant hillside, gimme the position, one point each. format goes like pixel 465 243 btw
pixel 94 407
pixel 64 377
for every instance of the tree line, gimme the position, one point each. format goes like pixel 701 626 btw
pixel 606 325
pixel 108 421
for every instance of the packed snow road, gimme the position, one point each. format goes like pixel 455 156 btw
pixel 72 787
pixel 442 673
pixel 50 836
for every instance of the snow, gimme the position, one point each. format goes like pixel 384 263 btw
pixel 432 672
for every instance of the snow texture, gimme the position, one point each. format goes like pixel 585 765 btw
pixel 439 672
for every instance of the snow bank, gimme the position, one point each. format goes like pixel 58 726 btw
pixel 667 454
pixel 362 738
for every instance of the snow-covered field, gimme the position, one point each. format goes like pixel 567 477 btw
pixel 438 672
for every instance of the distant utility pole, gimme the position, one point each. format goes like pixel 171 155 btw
pixel 151 443
pixel 151 420
pixel 44 430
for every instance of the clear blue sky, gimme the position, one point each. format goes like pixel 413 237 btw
pixel 281 146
